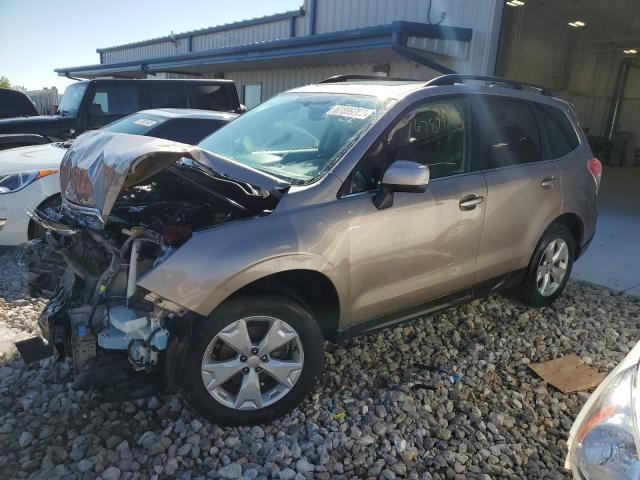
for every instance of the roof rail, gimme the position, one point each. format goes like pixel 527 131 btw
pixel 346 78
pixel 497 81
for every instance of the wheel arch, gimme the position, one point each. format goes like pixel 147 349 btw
pixel 313 288
pixel 575 225
pixel 32 228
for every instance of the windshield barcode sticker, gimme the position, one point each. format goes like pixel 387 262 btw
pixel 350 112
pixel 145 122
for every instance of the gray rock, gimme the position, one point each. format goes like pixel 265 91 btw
pixel 233 470
pixel 170 467
pixel 303 466
pixel 111 473
pixel 25 439
pixel 84 465
pixel 286 474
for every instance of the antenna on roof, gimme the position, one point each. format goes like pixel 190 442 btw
pixel 172 38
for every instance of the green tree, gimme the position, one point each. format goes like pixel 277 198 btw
pixel 4 82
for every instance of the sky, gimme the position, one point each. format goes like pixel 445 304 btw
pixel 37 36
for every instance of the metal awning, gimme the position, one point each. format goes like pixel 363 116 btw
pixel 418 42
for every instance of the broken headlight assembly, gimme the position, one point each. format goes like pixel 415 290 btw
pixel 604 442
pixel 13 182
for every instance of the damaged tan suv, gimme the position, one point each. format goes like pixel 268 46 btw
pixel 326 212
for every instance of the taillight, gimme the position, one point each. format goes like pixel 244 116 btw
pixel 595 168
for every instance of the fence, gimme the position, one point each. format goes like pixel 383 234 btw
pixel 45 100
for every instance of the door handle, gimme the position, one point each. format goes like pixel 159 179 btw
pixel 549 182
pixel 471 201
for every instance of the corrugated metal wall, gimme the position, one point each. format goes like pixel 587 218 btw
pixel 242 36
pixel 143 52
pixel 335 15
pixel 228 38
pixel 479 15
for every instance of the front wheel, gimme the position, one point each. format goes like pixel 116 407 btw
pixel 549 269
pixel 254 359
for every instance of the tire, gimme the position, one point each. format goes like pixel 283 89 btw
pixel 36 231
pixel 530 291
pixel 258 313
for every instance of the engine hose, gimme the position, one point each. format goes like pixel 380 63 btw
pixel 140 362
pixel 151 335
pixel 140 236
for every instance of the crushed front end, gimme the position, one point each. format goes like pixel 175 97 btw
pixel 128 204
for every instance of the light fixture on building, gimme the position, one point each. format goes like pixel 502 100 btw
pixel 515 3
pixel 630 51
pixel 577 24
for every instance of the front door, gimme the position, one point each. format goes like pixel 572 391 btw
pixel 111 101
pixel 424 247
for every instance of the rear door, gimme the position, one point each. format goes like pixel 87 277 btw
pixel 163 94
pixel 110 101
pixel 524 194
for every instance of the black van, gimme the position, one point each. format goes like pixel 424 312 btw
pixel 92 104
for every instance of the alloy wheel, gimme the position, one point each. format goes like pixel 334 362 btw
pixel 252 363
pixel 552 267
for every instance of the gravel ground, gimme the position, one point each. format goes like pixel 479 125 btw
pixel 448 396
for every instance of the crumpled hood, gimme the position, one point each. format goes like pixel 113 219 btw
pixel 100 164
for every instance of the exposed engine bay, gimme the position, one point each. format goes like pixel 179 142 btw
pixel 98 315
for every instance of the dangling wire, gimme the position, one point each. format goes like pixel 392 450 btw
pixel 429 16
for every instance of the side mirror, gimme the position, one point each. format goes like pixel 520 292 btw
pixel 401 176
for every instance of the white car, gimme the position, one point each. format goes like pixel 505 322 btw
pixel 605 438
pixel 29 175
pixel 28 180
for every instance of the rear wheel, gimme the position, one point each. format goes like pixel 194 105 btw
pixel 256 358
pixel 549 269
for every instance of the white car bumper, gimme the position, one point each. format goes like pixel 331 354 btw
pixel 14 221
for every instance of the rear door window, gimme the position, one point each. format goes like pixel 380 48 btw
pixel 210 97
pixel 560 136
pixel 509 132
pixel 167 95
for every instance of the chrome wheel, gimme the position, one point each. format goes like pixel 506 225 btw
pixel 252 363
pixel 552 267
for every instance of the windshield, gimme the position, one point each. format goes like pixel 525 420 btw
pixel 136 124
pixel 296 136
pixel 72 98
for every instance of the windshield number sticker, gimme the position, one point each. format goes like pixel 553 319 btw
pixel 145 122
pixel 350 112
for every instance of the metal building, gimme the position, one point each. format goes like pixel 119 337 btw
pixel 399 38
pixel 585 50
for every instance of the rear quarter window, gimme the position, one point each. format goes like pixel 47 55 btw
pixel 560 136
pixel 187 130
pixel 210 97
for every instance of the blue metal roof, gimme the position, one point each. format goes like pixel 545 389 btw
pixel 362 43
